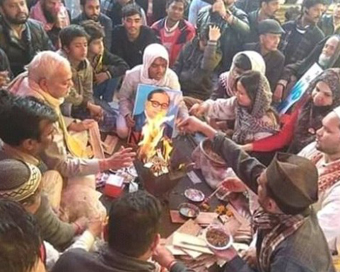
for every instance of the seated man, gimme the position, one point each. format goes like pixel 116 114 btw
pixel 114 10
pixel 53 15
pixel 21 182
pixel 28 137
pixel 173 31
pixel 233 24
pixel 52 181
pixel 49 79
pixel 270 33
pixel 325 54
pixel 133 239
pixel 20 243
pixel 130 39
pixel 107 68
pixel 267 10
pixel 91 11
pixel 197 62
pixel 285 222
pixel 325 154
pixel 303 34
pixel 21 38
pixel 153 71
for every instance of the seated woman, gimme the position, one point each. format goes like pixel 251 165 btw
pixel 250 108
pixel 322 95
pixel 153 71
pixel 242 62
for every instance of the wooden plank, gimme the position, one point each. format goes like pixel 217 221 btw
pixel 95 142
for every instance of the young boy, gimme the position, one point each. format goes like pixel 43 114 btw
pixel 79 103
pixel 107 68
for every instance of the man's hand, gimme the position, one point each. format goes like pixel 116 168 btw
pixel 129 121
pixel 249 256
pixel 191 125
pixel 123 158
pixel 247 147
pixel 81 126
pixel 278 93
pixel 198 109
pixel 80 224
pixel 219 7
pixel 163 256
pixel 4 78
pixel 95 111
pixel 234 184
pixel 214 33
pixel 227 254
pixel 101 77
pixel 95 226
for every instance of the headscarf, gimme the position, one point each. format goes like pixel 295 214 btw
pixel 257 64
pixel 152 52
pixel 311 116
pixel 249 123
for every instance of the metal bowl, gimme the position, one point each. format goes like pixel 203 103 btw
pixel 206 148
pixel 188 211
pixel 194 195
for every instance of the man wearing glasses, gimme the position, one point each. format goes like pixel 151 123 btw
pixel 156 106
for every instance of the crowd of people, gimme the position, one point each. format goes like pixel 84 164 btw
pixel 63 64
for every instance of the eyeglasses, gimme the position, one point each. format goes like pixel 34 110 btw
pixel 156 104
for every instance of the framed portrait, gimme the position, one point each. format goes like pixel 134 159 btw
pixel 154 105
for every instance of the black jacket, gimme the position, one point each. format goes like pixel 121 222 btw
pixel 131 52
pixel 233 36
pixel 195 69
pixel 297 46
pixel 104 21
pixel 274 60
pixel 21 52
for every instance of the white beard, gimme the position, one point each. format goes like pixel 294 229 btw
pixel 324 60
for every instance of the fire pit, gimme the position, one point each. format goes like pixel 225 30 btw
pixel 179 164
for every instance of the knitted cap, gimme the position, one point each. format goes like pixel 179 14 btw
pixel 293 181
pixel 18 180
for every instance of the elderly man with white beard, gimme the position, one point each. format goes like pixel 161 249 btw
pixel 326 54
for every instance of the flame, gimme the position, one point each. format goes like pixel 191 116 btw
pixel 155 147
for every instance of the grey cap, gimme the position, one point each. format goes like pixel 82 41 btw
pixel 270 26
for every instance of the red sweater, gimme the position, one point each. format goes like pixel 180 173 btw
pixel 175 40
pixel 284 136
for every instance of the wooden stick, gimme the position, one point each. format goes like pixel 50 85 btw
pixel 95 142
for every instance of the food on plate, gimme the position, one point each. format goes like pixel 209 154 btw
pixel 217 237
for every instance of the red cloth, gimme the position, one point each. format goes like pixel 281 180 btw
pixel 284 136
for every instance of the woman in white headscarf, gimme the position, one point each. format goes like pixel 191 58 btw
pixel 154 71
pixel 242 62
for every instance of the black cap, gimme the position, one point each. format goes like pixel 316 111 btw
pixel 270 26
pixel 293 181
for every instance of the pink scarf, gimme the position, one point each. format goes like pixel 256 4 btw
pixel 38 14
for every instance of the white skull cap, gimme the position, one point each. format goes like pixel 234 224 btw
pixel 337 111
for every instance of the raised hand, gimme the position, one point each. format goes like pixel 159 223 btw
pixel 214 33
